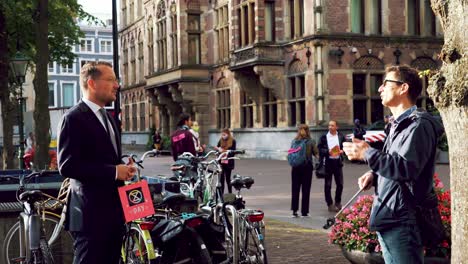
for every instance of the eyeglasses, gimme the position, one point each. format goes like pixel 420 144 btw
pixel 114 80
pixel 384 83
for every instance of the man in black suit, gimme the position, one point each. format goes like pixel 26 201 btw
pixel 89 154
pixel 331 147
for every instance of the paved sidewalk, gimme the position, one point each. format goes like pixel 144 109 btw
pixel 290 240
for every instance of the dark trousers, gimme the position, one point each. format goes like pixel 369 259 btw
pixel 226 176
pixel 334 168
pixel 301 178
pixel 95 249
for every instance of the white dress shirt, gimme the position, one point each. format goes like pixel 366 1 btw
pixel 332 141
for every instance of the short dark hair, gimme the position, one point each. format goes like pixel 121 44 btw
pixel 182 118
pixel 408 75
pixel 91 71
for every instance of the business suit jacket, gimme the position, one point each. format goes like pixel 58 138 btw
pixel 324 151
pixel 87 157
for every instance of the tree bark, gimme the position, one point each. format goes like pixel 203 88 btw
pixel 7 106
pixel 449 90
pixel 41 109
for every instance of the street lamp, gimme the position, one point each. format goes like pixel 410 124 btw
pixel 19 67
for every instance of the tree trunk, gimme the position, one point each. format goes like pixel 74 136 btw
pixel 7 106
pixel 41 109
pixel 449 90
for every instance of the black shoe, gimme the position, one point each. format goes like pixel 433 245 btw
pixel 305 215
pixel 295 214
pixel 338 206
pixel 332 208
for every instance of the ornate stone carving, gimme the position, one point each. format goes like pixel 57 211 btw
pixel 297 66
pixel 271 77
pixel 424 63
pixel 368 62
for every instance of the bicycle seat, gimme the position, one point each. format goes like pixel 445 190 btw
pixel 240 182
pixel 173 198
pixel 31 196
pixel 177 167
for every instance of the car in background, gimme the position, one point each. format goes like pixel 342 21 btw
pixel 374 133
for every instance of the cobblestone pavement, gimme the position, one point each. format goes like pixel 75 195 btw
pixel 290 240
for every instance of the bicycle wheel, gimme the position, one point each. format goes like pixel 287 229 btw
pixel 253 247
pixel 45 253
pixel 61 249
pixel 134 248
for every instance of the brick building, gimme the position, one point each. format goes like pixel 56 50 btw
pixel 261 67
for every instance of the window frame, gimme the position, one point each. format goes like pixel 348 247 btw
pixel 75 100
pixel 368 97
pixel 101 40
pixel 92 45
pixel 293 98
pixel 54 82
pixel 223 108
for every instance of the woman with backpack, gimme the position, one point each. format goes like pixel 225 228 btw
pixel 226 142
pixel 300 158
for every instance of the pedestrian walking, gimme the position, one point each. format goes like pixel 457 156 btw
pixel 330 148
pixel 358 130
pixel 157 140
pixel 300 158
pixel 89 152
pixel 226 142
pixel 403 171
pixel 182 138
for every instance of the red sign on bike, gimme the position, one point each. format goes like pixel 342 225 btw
pixel 136 200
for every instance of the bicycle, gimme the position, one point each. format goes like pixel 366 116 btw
pixel 38 236
pixel 139 247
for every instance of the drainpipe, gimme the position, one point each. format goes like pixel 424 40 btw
pixel 319 62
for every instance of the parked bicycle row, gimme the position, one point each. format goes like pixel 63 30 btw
pixel 192 220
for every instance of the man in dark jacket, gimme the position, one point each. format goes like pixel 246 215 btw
pixel 403 172
pixel 182 138
pixel 330 148
pixel 358 130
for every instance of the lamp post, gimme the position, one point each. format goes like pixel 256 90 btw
pixel 19 67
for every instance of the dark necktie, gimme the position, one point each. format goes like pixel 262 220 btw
pixel 106 124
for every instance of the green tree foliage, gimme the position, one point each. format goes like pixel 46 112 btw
pixel 44 30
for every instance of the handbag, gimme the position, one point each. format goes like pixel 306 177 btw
pixel 429 220
pixel 320 170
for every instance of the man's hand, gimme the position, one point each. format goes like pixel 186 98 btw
pixel 126 172
pixel 355 150
pixel 365 181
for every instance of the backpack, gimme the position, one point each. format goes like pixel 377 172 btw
pixel 297 154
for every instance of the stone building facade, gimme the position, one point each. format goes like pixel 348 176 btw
pixel 260 67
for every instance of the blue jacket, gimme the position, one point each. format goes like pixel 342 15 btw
pixel 408 158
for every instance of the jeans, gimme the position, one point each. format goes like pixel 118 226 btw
pixel 334 168
pixel 401 245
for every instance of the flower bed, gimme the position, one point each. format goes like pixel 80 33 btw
pixel 351 228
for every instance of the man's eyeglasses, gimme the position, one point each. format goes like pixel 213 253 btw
pixel 108 80
pixel 384 83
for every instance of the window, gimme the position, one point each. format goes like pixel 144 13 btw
pixel 150 50
pixel 141 64
pixel 175 53
pixel 194 32
pixel 246 110
pixel 86 45
pixel 127 117
pixel 124 16
pixel 270 21
pixel 131 11
pixel 142 116
pixel 367 105
pixel 139 7
pixel 132 62
pixel 125 63
pixel 68 94
pixel 52 94
pixel 51 67
pixel 222 30
pixel 376 17
pixel 134 117
pixel 296 18
pixel 246 14
pixel 106 46
pixel 413 13
pixel 223 108
pixel 270 108
pixel 357 16
pixel 423 100
pixel 83 62
pixel 297 114
pixel 161 41
pixel 67 68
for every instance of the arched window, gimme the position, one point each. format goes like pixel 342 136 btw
pixel 161 33
pixel 296 93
